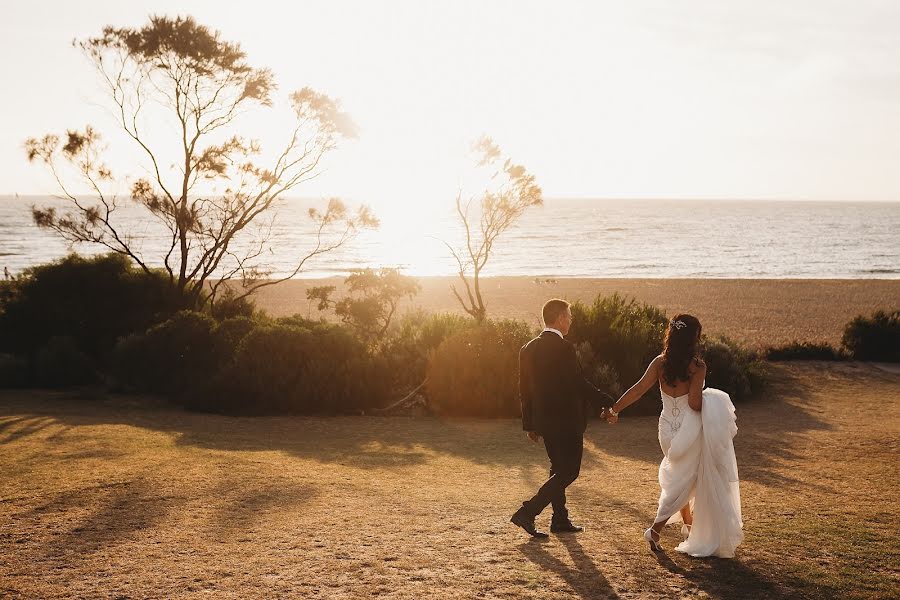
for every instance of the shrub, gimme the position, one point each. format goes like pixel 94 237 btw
pixel 60 363
pixel 174 357
pixel 732 369
pixel 474 372
pixel 804 351
pixel 284 368
pixel 874 338
pixel 411 342
pixel 622 333
pixel 370 301
pixel 617 338
pixel 227 335
pixel 302 322
pixel 229 306
pixel 13 371
pixel 92 301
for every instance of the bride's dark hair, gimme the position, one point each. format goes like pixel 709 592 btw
pixel 680 348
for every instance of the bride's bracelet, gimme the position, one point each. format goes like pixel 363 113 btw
pixel 612 412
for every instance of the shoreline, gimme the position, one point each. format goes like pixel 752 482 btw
pixel 754 312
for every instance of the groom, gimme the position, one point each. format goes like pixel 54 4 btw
pixel 556 399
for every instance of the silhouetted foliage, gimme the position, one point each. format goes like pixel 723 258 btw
pixel 733 369
pixel 92 301
pixel 230 304
pixel 371 300
pixel 475 372
pixel 412 340
pixel 61 363
pixel 198 84
pixel 874 338
pixel 288 369
pixel 176 357
pixel 616 338
pixel 498 208
pixel 14 372
pixel 805 351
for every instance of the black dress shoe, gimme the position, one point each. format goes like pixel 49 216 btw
pixel 566 527
pixel 527 523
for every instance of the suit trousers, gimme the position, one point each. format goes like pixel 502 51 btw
pixel 565 452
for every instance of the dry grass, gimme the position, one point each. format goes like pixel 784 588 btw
pixel 121 498
pixel 755 312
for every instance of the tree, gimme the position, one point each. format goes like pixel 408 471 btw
pixel 372 300
pixel 514 191
pixel 202 84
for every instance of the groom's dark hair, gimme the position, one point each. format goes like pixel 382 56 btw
pixel 553 310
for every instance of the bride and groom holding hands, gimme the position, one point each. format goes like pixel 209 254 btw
pixel 698 475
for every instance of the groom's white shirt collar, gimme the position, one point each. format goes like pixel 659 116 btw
pixel 556 331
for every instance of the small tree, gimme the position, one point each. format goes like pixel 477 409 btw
pixel 372 301
pixel 514 191
pixel 202 84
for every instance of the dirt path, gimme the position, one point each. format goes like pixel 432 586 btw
pixel 123 498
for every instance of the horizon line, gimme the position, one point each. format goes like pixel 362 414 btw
pixel 554 198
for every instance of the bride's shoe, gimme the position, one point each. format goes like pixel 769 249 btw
pixel 686 530
pixel 654 543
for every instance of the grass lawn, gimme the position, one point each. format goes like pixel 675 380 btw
pixel 123 497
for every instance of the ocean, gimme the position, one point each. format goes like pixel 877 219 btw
pixel 564 238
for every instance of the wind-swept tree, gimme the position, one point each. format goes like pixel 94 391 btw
pixel 371 301
pixel 177 69
pixel 511 192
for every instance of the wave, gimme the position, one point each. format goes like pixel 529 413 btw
pixel 882 271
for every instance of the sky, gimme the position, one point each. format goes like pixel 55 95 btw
pixel 640 99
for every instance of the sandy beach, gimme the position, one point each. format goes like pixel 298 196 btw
pixel 755 312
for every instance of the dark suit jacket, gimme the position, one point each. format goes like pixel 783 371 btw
pixel 556 398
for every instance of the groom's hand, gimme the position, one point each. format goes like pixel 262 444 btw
pixel 605 414
pixel 533 436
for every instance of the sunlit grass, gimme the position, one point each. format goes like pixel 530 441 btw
pixel 117 496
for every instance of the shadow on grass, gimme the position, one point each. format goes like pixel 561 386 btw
pixel 582 575
pixel 101 515
pixel 764 443
pixel 94 518
pixel 723 578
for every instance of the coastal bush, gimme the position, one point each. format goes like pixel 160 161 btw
pixel 227 335
pixel 622 333
pixel 616 338
pixel 92 301
pixel 281 368
pixel 804 351
pixel 13 371
pixel 874 338
pixel 175 357
pixel 731 368
pixel 370 300
pixel 474 372
pixel 229 305
pixel 412 340
pixel 60 363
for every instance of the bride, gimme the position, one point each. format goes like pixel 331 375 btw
pixel 698 474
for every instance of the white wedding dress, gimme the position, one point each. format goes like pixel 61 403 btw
pixel 700 467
